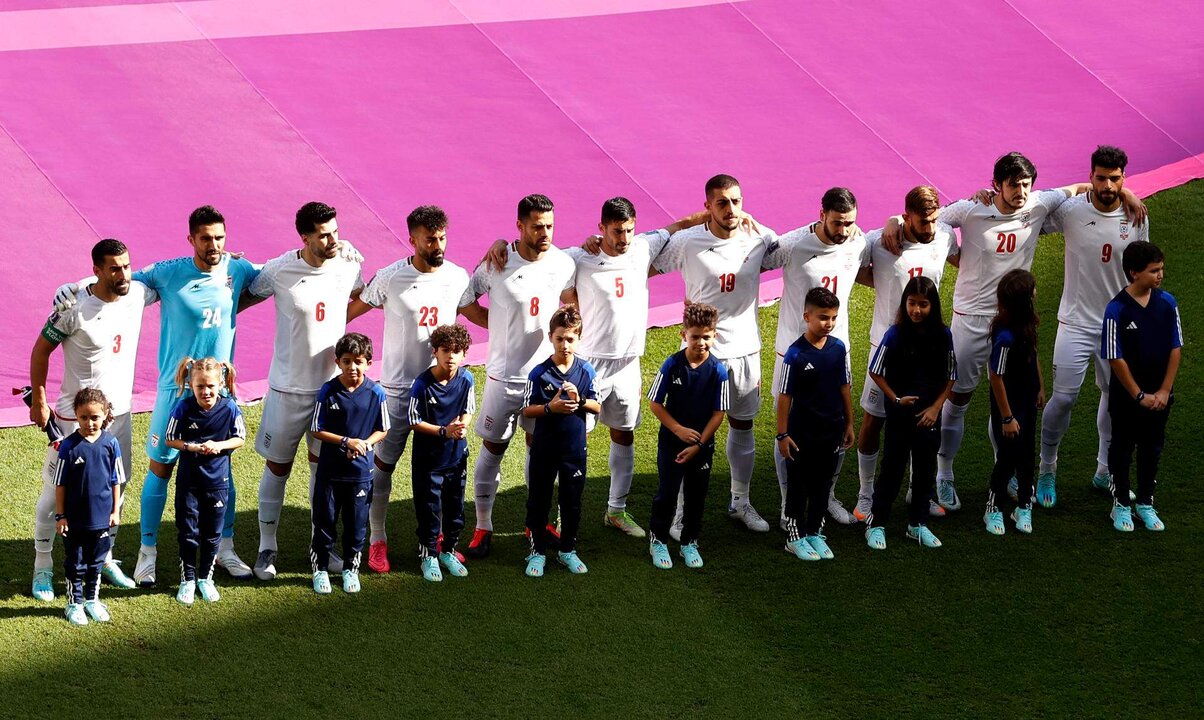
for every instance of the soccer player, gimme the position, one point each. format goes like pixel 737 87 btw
pixel 1097 233
pixel 311 287
pixel 814 421
pixel 831 253
pixel 99 337
pixel 1142 341
pixel 522 300
pixel 611 287
pixel 720 262
pixel 927 245
pixel 417 294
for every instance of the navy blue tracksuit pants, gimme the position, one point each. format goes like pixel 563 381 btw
pixel 905 440
pixel 200 515
pixel 808 484
pixel 693 479
pixel 85 554
pixel 544 469
pixel 351 500
pixel 1140 431
pixel 439 505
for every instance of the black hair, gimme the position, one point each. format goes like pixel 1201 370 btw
pixel 617 209
pixel 721 182
pixel 1109 156
pixel 430 217
pixel 1017 307
pixel 534 204
pixel 839 200
pixel 1014 167
pixel 821 297
pixel 94 395
pixel 1138 256
pixel 109 247
pixel 202 216
pixel 311 215
pixel 356 344
pixel 926 288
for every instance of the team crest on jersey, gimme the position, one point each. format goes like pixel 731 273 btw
pixel 1124 230
pixel 230 282
pixel 1026 217
pixel 154 440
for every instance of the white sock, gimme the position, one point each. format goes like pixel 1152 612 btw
pixel 486 476
pixel 226 546
pixel 622 468
pixel 779 466
pixel 44 530
pixel 991 437
pixel 953 426
pixel 271 500
pixel 836 475
pixel 1103 425
pixel 382 488
pixel 1055 419
pixel 867 467
pixel 741 455
pixel 313 484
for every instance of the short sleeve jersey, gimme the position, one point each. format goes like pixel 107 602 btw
pixel 913 364
pixel 355 414
pixel 88 471
pixel 1095 242
pixel 198 316
pixel 100 342
pixel 193 425
pixel 311 316
pixel 440 404
pixel 813 378
pixel 560 434
pixel 613 293
pixel 415 303
pixel 893 272
pixel 725 273
pixel 994 243
pixel 808 262
pixel 522 299
pixel 1141 336
pixel 691 395
pixel 1016 362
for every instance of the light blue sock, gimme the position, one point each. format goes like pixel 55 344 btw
pixel 228 527
pixel 154 499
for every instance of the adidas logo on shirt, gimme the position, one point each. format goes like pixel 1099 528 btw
pixel 577 474
pixel 433 401
pixel 809 367
pixel 361 493
pixel 219 503
pixel 1131 326
pixel 677 381
pixel 194 426
pixel 79 461
pixel 334 406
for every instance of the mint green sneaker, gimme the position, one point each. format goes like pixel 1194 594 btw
pixel 1103 483
pixel 622 521
pixel 430 569
pixel 690 554
pixel 351 581
pixel 994 521
pixel 802 549
pixel 1047 489
pixel 1122 518
pixel 660 555
pixel 535 565
pixel 922 535
pixel 1023 517
pixel 875 537
pixel 187 593
pixel 43 584
pixel 75 614
pixel 97 611
pixel 820 546
pixel 112 572
pixel 572 562
pixel 1150 518
pixel 322 582
pixel 208 591
pixel 452 564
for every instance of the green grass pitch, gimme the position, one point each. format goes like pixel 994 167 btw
pixel 1075 620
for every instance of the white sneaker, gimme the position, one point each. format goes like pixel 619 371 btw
pixel 265 565
pixel 747 514
pixel 946 493
pixel 865 505
pixel 678 523
pixel 144 570
pixel 838 513
pixel 229 561
pixel 335 565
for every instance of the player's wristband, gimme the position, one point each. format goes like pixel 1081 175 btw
pixel 783 436
pixel 442 431
pixel 60 516
pixel 343 444
pixel 897 402
pixel 1140 396
pixel 1008 419
pixel 547 408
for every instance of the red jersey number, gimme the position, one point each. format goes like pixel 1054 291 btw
pixel 428 316
pixel 727 282
pixel 1007 243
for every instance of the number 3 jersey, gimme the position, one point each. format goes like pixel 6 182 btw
pixel 311 316
pixel 198 315
pixel 415 303
pixel 1095 241
pixel 994 243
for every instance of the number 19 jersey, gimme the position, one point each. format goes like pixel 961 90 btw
pixel 415 303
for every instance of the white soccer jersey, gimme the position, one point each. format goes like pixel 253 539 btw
pixel 723 273
pixel 893 272
pixel 311 316
pixel 415 303
pixel 100 341
pixel 522 299
pixel 1095 242
pixel 613 293
pixel 807 262
pixel 994 243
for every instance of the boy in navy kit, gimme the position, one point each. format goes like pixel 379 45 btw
pixel 351 415
pixel 442 403
pixel 88 478
pixel 690 398
pixel 815 422
pixel 560 391
pixel 205 427
pixel 1142 343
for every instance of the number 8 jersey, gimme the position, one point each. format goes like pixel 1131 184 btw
pixel 415 303
pixel 198 315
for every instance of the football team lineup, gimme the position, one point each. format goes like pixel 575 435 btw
pixel 568 334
